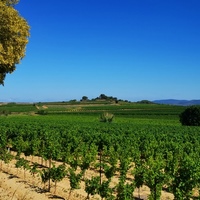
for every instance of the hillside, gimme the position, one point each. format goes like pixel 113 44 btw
pixel 178 102
pixel 129 109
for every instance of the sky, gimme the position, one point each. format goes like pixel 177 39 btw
pixel 130 49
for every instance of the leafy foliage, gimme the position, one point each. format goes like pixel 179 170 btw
pixel 185 178
pixel 92 185
pixel 22 163
pixel 34 169
pixel 10 2
pixel 14 33
pixel 57 174
pixel 45 175
pixel 191 116
pixel 75 178
pixel 42 112
pixel 106 117
pixel 155 154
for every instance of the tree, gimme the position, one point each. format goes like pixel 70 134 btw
pixel 14 33
pixel 10 2
pixel 103 96
pixel 191 116
pixel 84 98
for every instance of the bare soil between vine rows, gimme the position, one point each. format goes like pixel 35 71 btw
pixel 14 186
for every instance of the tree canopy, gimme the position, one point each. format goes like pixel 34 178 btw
pixel 190 116
pixel 9 2
pixel 14 33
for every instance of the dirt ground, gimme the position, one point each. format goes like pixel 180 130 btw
pixel 13 186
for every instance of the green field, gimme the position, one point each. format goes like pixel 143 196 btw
pixel 130 113
pixel 148 135
pixel 122 108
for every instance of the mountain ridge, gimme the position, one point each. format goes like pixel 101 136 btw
pixel 178 102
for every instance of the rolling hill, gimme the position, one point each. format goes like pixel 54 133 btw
pixel 178 102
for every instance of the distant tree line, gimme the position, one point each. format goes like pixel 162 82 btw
pixel 145 102
pixel 103 97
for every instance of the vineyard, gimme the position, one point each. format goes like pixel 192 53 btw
pixel 144 146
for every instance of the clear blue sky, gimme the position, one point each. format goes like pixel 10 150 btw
pixel 130 49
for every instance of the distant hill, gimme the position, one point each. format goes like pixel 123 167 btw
pixel 178 102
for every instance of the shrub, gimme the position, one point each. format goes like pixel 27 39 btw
pixel 5 112
pixel 190 116
pixel 42 112
pixel 106 117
